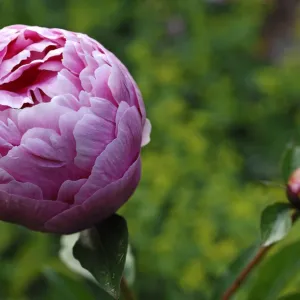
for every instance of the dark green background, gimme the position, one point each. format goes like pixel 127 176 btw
pixel 222 112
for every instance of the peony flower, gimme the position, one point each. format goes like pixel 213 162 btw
pixel 72 125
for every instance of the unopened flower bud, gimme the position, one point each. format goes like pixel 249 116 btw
pixel 293 189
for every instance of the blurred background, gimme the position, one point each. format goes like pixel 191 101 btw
pixel 220 80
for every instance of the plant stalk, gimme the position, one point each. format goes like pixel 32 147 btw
pixel 262 252
pixel 126 291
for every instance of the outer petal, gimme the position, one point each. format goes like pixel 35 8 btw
pixel 27 211
pixel 98 207
pixel 114 161
pixel 23 189
pixel 42 159
pixel 92 134
pixel 103 108
pixel 135 93
pixel 146 133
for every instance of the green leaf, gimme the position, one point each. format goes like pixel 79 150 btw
pixel 290 161
pixel 290 297
pixel 273 276
pixel 237 265
pixel 102 251
pixel 28 263
pixel 275 223
pixel 62 287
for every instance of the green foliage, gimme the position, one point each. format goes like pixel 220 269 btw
pixel 221 118
pixel 291 161
pixel 275 223
pixel 102 251
pixel 291 297
pixel 276 273
pixel 62 287
pixel 233 271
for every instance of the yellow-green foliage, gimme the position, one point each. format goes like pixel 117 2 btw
pixel 221 118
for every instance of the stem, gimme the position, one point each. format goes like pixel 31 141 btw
pixel 245 272
pixel 126 291
pixel 262 252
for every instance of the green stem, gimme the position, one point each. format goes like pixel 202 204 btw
pixel 262 252
pixel 126 291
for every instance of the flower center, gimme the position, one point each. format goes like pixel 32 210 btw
pixel 27 68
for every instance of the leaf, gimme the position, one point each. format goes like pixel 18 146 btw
pixel 65 288
pixel 233 270
pixel 102 251
pixel 275 223
pixel 271 184
pixel 276 273
pixel 290 297
pixel 290 161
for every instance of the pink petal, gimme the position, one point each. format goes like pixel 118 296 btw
pixel 40 46
pixel 23 189
pixel 7 65
pixel 20 210
pixel 42 32
pixel 67 123
pixel 146 133
pixel 100 83
pixel 123 107
pixel 9 136
pixel 18 72
pixel 67 101
pixel 42 159
pixel 135 94
pixel 13 100
pixel 67 83
pixel 54 66
pixel 43 115
pixel 92 134
pixel 119 86
pixel 84 99
pixel 69 189
pixel 100 206
pixel 103 108
pixel 71 59
pixel 117 157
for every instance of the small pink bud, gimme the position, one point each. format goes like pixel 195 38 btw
pixel 293 189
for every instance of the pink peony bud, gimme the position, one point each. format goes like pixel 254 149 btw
pixel 293 189
pixel 72 125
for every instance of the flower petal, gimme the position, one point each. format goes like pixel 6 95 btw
pixel 117 157
pixel 101 205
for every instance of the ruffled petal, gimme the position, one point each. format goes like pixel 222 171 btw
pixel 146 132
pixel 71 60
pixel 42 159
pixel 101 205
pixel 28 212
pixel 69 189
pixel 92 135
pixel 44 115
pixel 117 157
